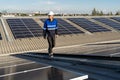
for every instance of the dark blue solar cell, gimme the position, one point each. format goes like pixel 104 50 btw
pixel 109 22
pixel 88 25
pixel 116 18
pixel 24 28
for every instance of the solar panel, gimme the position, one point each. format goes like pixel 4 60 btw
pixel 116 18
pixel 66 28
pixel 24 28
pixel 88 25
pixel 69 27
pixel 108 22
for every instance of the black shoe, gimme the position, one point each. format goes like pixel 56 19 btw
pixel 51 55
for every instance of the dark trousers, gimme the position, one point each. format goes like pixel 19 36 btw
pixel 51 42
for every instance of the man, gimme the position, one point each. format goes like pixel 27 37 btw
pixel 50 31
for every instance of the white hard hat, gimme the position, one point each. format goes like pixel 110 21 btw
pixel 51 13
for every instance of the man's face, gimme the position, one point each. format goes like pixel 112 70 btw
pixel 51 17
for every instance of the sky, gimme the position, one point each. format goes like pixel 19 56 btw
pixel 60 6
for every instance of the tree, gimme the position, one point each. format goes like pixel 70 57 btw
pixel 117 13
pixel 0 13
pixel 37 14
pixel 101 13
pixel 23 14
pixel 94 12
pixel 110 14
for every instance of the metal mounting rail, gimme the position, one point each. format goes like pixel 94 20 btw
pixel 96 68
pixel 108 64
pixel 77 56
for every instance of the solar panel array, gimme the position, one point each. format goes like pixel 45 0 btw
pixel 88 25
pixel 24 28
pixel 0 37
pixel 66 28
pixel 116 18
pixel 108 22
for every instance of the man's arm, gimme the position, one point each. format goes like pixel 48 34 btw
pixel 44 30
pixel 56 30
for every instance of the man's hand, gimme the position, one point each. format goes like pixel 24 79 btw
pixel 44 37
pixel 56 36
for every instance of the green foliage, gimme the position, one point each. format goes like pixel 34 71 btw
pixel 0 13
pixel 23 14
pixel 117 13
